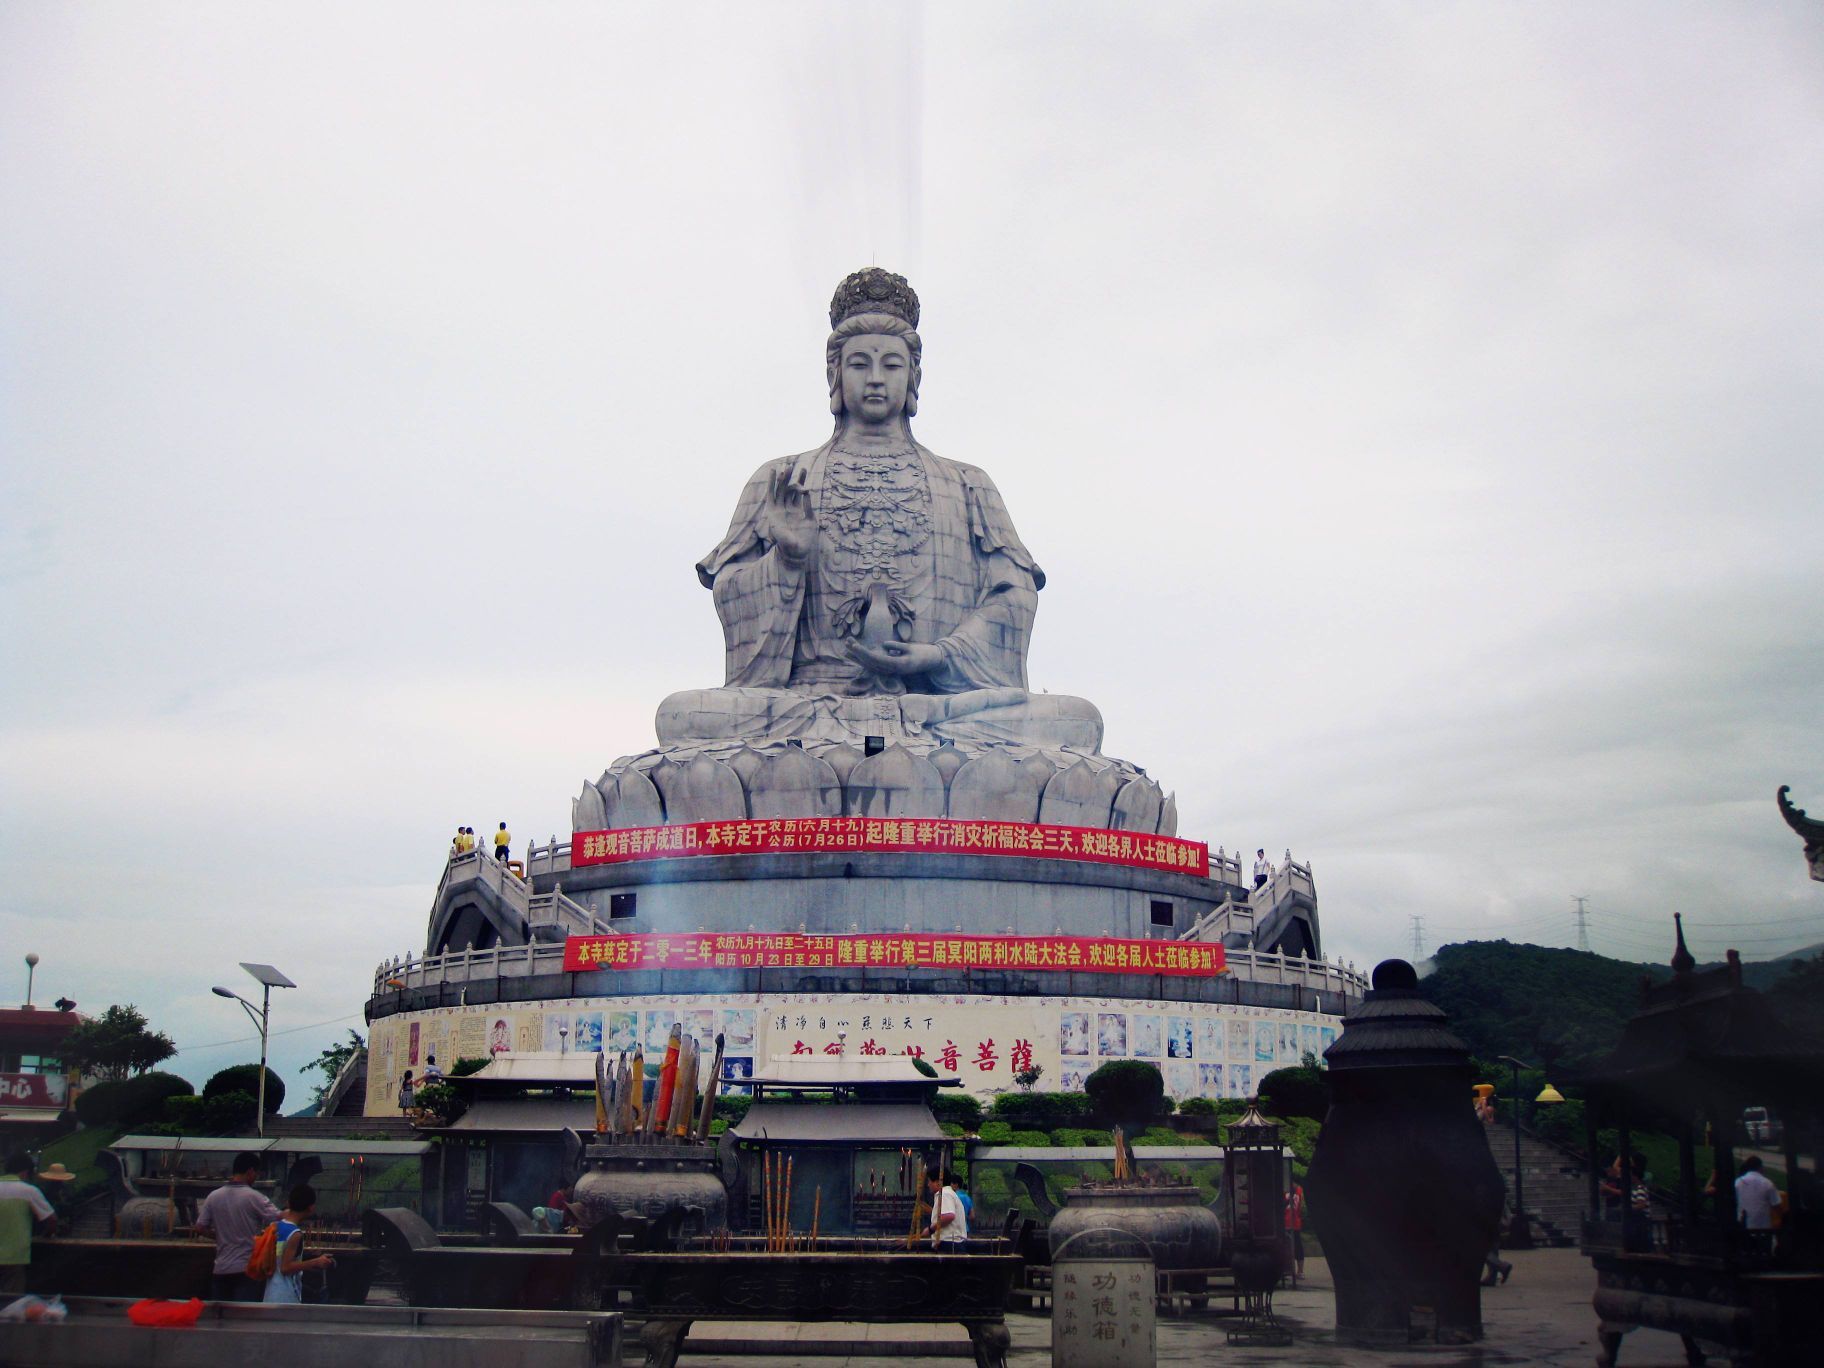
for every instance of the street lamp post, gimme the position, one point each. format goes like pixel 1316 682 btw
pixel 268 978
pixel 1520 1230
pixel 31 968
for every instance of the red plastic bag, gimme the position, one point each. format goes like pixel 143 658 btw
pixel 167 1313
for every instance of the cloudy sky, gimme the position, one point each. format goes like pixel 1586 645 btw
pixel 1416 410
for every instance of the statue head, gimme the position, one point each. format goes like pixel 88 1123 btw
pixel 869 308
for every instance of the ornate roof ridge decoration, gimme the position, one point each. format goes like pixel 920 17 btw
pixel 1809 829
pixel 874 290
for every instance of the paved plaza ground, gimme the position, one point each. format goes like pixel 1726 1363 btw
pixel 1541 1316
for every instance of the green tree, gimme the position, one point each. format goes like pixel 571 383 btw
pixel 115 1044
pixel 329 1064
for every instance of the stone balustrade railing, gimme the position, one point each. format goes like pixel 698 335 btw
pixel 525 961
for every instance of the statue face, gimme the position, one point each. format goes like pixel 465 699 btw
pixel 876 371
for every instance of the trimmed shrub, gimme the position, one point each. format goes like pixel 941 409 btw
pixel 1160 1135
pixel 959 1108
pixel 98 1104
pixel 731 1107
pixel 130 1100
pixel 996 1133
pixel 1031 1139
pixel 462 1068
pixel 1301 1091
pixel 950 1128
pixel 1126 1092
pixel 1073 1135
pixel 1198 1106
pixel 1042 1110
pixel 442 1100
pixel 229 1113
pixel 246 1078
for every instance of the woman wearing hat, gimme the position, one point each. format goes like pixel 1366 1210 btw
pixel 52 1182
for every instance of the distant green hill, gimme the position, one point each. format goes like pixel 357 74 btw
pixel 1562 1009
pixel 1548 1006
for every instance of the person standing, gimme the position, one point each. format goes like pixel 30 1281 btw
pixel 949 1223
pixel 1263 867
pixel 22 1207
pixel 1755 1196
pixel 433 1071
pixel 236 1213
pixel 286 1285
pixel 503 841
pixel 1295 1228
pixel 405 1092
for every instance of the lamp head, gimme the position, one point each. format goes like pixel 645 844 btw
pixel 31 959
pixel 223 992
pixel 1550 1096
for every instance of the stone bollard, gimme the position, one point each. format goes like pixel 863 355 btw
pixel 1102 1298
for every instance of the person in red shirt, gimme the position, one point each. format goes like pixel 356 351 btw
pixel 1295 1228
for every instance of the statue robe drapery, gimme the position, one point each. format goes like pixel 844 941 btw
pixel 960 578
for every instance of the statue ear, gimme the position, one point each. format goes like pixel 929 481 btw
pixel 912 394
pixel 830 374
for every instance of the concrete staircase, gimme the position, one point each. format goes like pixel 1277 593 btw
pixel 339 1127
pixel 1557 1191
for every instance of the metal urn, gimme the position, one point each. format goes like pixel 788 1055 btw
pixel 1404 1192
pixel 652 1182
pixel 1177 1227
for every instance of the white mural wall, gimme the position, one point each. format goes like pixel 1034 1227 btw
pixel 1202 1049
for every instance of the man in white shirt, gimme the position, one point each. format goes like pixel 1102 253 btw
pixel 1755 1196
pixel 236 1214
pixel 433 1071
pixel 949 1221
pixel 21 1207
pixel 1263 868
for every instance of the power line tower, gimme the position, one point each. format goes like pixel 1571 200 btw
pixel 1418 938
pixel 1583 924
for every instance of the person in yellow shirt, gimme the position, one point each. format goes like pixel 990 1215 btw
pixel 503 841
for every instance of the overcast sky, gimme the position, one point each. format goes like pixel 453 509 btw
pixel 1415 409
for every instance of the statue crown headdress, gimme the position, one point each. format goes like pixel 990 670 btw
pixel 873 290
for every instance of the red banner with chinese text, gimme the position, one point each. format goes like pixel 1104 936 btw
pixel 934 835
pixel 796 950
pixel 33 1090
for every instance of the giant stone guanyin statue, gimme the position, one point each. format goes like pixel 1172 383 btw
pixel 872 589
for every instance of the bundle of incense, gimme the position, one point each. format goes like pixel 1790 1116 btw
pixel 684 1093
pixel 711 1084
pixel 816 1214
pixel 668 1079
pixel 603 1094
pixel 636 1092
pixel 620 1119
pixel 786 1207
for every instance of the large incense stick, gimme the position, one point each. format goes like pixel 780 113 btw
pixel 668 1079
pixel 711 1085
pixel 684 1096
pixel 603 1093
pixel 636 1096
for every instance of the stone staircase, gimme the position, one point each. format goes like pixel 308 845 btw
pixel 1557 1192
pixel 339 1127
